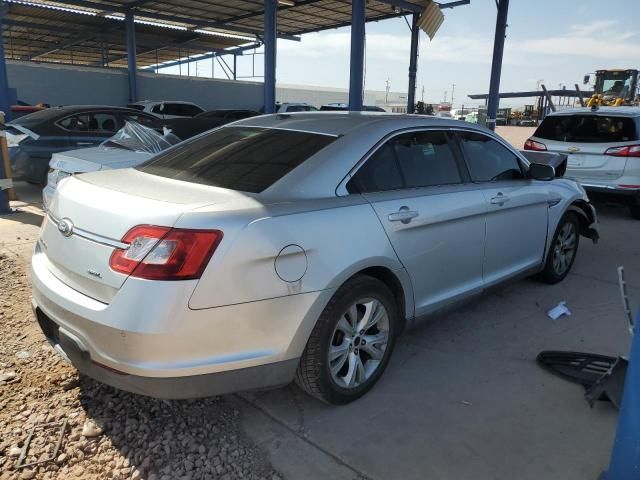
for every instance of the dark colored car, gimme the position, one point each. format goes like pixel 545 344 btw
pixel 20 109
pixel 35 137
pixel 185 128
pixel 343 107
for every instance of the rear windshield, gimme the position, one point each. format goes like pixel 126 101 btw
pixel 587 129
pixel 238 158
pixel 41 117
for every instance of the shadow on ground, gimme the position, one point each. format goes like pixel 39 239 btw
pixel 24 217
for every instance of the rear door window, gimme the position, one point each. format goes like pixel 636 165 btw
pixel 238 158
pixel 410 160
pixel 189 110
pixel 95 122
pixel 587 129
pixel 141 119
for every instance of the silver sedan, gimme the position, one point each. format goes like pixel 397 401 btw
pixel 291 246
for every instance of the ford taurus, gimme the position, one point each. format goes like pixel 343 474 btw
pixel 291 246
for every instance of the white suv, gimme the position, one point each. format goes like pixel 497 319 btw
pixel 603 146
pixel 164 110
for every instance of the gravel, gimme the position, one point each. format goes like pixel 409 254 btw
pixel 110 434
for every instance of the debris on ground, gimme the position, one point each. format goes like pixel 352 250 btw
pixel 109 433
pixel 559 310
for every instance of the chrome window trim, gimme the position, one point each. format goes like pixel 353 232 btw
pixel 341 189
pixel 281 128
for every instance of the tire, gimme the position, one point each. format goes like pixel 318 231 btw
pixel 559 259
pixel 634 210
pixel 356 365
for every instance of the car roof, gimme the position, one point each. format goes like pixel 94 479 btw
pixel 341 123
pixel 618 111
pixel 150 102
pixel 52 114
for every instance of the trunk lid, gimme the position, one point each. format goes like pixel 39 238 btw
pixel 100 208
pixel 588 161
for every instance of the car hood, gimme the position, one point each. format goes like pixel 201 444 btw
pixel 97 158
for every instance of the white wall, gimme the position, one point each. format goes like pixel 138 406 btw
pixel 77 85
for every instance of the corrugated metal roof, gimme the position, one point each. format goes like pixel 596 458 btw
pixel 91 32
pixel 50 35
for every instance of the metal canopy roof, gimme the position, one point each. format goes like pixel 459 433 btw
pixel 49 35
pixel 91 32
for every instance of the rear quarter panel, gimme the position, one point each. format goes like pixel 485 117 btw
pixel 340 236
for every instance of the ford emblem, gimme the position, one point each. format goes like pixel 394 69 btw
pixel 65 226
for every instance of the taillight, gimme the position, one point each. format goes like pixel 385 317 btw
pixel 163 253
pixel 533 145
pixel 626 151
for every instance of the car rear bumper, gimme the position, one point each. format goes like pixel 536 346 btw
pixel 72 349
pixel 156 345
pixel 627 195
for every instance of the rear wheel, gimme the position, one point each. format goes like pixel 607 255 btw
pixel 634 210
pixel 350 346
pixel 563 250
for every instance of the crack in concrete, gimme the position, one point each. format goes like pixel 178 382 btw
pixel 308 441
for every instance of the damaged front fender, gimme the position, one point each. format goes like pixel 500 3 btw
pixel 588 219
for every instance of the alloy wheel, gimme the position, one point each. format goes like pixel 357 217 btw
pixel 358 343
pixel 565 248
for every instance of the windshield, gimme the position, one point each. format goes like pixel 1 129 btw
pixel 239 158
pixel 614 83
pixel 587 129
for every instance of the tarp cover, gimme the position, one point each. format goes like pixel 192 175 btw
pixel 139 138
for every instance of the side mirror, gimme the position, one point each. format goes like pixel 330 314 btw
pixel 541 171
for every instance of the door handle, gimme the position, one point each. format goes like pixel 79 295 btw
pixel 499 199
pixel 403 215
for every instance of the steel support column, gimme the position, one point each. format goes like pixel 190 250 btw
pixel 496 63
pixel 270 39
pixel 131 56
pixel 5 97
pixel 625 455
pixel 5 106
pixel 356 72
pixel 413 63
pixel 235 66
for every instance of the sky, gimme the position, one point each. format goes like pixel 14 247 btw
pixel 557 42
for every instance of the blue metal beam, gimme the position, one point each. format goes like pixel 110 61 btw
pixel 5 106
pixel 411 7
pixel 214 53
pixel 454 4
pixel 496 63
pixel 413 63
pixel 270 47
pixel 625 455
pixel 131 56
pixel 356 73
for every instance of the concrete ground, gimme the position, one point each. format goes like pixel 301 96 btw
pixel 462 397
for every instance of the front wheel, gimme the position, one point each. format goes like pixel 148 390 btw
pixel 350 346
pixel 563 250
